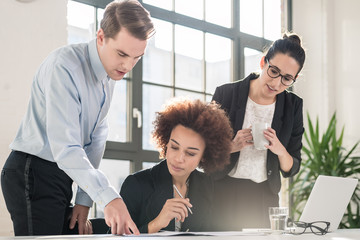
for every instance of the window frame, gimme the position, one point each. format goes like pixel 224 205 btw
pixel 132 150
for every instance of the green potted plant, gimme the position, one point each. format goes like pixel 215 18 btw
pixel 325 155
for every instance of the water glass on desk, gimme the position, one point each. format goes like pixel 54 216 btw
pixel 278 217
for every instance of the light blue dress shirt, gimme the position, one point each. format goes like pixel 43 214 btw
pixel 66 119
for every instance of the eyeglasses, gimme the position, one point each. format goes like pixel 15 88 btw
pixel 318 227
pixel 274 72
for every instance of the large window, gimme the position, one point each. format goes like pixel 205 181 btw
pixel 198 45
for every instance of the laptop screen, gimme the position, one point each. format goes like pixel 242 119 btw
pixel 328 200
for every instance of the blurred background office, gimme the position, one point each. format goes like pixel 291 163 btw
pixel 199 45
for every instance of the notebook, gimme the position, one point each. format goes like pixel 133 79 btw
pixel 328 200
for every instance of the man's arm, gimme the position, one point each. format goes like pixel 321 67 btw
pixel 63 125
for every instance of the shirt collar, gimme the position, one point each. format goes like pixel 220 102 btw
pixel 95 61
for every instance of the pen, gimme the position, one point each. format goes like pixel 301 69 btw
pixel 178 192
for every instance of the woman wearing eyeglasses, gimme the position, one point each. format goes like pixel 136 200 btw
pixel 250 184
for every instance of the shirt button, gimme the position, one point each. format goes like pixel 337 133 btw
pixel 269 172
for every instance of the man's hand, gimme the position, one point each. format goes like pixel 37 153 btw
pixel 79 215
pixel 118 218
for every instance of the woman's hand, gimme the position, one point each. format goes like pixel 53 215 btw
pixel 274 143
pixel 275 146
pixel 173 208
pixel 242 139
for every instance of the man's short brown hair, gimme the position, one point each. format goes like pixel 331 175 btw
pixel 129 14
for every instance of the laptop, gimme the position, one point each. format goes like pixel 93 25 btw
pixel 328 200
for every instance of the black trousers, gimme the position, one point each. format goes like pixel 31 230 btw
pixel 242 203
pixel 37 195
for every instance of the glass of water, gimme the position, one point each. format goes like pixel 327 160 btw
pixel 278 217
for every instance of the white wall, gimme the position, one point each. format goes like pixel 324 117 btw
pixel 330 31
pixel 29 31
pixel 346 36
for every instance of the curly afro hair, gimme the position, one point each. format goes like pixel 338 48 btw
pixel 207 119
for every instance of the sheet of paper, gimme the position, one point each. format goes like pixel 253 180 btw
pixel 227 233
pixel 59 237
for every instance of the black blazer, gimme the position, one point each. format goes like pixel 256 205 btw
pixel 146 192
pixel 287 122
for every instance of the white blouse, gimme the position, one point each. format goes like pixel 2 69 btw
pixel 252 162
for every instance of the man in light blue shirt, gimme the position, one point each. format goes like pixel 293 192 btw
pixel 62 137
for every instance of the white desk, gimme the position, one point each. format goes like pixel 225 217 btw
pixel 341 234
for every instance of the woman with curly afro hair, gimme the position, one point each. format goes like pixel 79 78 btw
pixel 174 195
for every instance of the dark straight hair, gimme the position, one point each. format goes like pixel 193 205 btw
pixel 289 45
